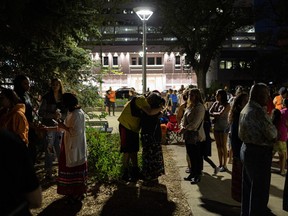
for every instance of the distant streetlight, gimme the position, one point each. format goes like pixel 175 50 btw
pixel 144 13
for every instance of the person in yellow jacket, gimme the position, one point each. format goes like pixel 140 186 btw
pixel 112 100
pixel 129 127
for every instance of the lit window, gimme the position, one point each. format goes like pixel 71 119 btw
pixel 229 65
pixel 222 65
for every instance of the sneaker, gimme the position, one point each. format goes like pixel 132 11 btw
pixel 222 169
pixel 216 170
pixel 195 180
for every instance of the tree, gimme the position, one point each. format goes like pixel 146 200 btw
pixel 201 26
pixel 42 38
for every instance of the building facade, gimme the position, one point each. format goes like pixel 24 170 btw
pixel 120 54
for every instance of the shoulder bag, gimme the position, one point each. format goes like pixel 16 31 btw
pixel 192 137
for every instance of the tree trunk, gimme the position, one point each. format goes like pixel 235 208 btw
pixel 201 80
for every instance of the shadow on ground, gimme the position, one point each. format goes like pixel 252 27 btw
pixel 210 188
pixel 220 208
pixel 58 207
pixel 133 200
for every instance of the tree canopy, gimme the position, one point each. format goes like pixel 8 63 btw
pixel 41 38
pixel 201 26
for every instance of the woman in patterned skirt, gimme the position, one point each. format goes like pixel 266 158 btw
pixel 152 156
pixel 72 177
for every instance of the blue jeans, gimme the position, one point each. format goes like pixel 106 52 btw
pixel 53 141
pixel 174 107
pixel 257 161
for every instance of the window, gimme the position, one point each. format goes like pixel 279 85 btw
pixel 158 61
pixel 105 61
pixel 229 65
pixel 115 60
pixel 151 61
pixel 177 60
pixel 235 64
pixel 140 61
pixel 134 61
pixel 222 64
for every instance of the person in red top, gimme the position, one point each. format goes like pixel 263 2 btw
pixel 112 100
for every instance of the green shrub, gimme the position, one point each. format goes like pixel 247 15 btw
pixel 104 157
pixel 121 102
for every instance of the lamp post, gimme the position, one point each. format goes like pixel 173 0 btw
pixel 144 13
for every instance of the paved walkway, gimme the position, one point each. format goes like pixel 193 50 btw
pixel 212 195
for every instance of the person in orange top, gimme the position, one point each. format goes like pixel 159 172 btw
pixel 112 100
pixel 12 114
pixel 278 100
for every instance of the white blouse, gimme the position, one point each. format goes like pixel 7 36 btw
pixel 75 139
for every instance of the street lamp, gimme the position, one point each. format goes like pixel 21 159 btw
pixel 144 13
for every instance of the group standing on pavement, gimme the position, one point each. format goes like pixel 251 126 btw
pixel 252 149
pixel 255 137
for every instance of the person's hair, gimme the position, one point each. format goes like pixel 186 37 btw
pixel 155 100
pixel 239 90
pixel 185 94
pixel 236 107
pixel 256 92
pixel 223 95
pixel 282 90
pixel 276 116
pixel 61 90
pixel 17 82
pixel 198 97
pixel 11 96
pixel 70 101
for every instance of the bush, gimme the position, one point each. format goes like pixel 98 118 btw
pixel 104 157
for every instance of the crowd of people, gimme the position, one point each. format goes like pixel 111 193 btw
pixel 63 123
pixel 249 128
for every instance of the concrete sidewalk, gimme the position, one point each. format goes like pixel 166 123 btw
pixel 212 196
